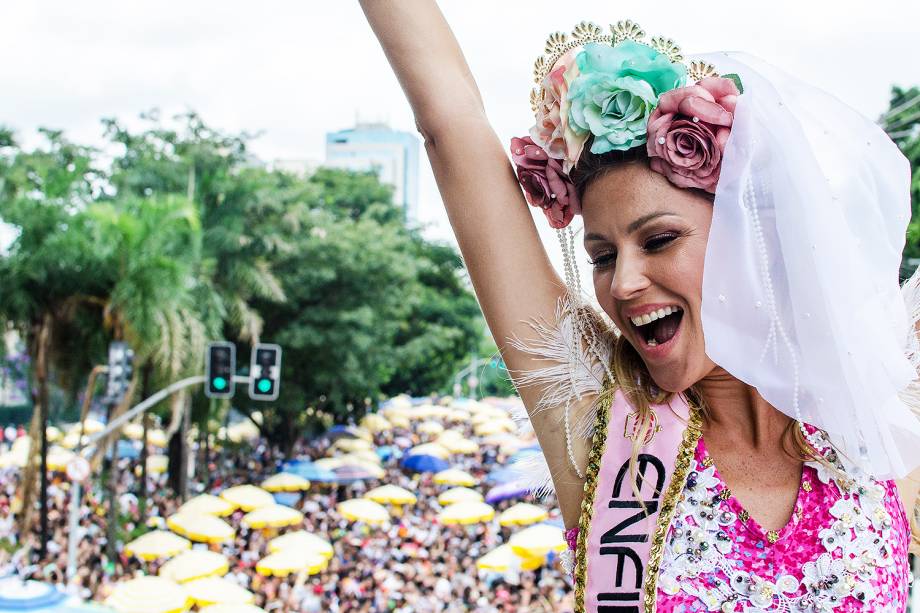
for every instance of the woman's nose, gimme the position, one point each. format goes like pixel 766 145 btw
pixel 629 279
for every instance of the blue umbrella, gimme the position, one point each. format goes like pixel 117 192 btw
pixel 127 449
pixel 421 463
pixel 288 499
pixel 388 451
pixel 523 453
pixel 507 491
pixel 39 597
pixel 503 474
pixel 309 471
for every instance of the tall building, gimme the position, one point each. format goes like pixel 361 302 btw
pixel 393 155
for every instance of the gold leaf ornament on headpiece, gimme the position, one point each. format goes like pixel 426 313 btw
pixel 559 43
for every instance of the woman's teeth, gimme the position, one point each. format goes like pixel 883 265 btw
pixel 650 317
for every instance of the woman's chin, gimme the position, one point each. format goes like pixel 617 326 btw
pixel 670 381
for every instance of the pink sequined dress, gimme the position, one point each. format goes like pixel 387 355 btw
pixel 843 549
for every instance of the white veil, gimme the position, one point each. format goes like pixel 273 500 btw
pixel 801 297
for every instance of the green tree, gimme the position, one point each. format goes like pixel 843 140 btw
pixel 51 271
pixel 902 123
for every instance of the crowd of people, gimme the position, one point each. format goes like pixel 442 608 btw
pixel 412 564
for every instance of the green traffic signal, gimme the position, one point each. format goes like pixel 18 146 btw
pixel 219 383
pixel 264 385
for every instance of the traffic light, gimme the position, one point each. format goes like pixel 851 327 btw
pixel 120 371
pixel 219 368
pixel 265 372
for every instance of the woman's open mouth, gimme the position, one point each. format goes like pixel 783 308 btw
pixel 658 331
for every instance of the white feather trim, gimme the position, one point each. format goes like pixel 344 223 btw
pixel 567 378
pixel 910 292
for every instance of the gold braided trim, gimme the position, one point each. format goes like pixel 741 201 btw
pixel 669 504
pixel 598 445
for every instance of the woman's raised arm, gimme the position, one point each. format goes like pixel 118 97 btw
pixel 511 273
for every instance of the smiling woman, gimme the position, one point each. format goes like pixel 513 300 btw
pixel 723 434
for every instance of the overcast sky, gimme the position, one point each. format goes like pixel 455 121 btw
pixel 295 70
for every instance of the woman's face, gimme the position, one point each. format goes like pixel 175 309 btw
pixel 647 242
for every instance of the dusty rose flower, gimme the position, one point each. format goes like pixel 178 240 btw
pixel 549 130
pixel 545 184
pixel 688 131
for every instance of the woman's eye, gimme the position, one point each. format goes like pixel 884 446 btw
pixel 657 242
pixel 603 260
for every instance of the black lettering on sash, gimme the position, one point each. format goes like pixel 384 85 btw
pixel 621 499
pixel 642 462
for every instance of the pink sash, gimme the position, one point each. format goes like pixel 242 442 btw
pixel 621 545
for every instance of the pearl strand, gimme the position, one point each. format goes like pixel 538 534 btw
pixel 574 346
pixel 771 304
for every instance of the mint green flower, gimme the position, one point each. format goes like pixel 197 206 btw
pixel 615 91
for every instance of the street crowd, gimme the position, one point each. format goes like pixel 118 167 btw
pixel 413 564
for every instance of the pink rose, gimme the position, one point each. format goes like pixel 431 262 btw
pixel 549 130
pixel 688 131
pixel 545 184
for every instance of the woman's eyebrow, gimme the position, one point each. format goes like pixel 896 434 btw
pixel 632 227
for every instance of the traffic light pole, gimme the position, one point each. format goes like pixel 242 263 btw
pixel 118 422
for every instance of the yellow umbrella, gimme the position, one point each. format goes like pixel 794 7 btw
pixel 90 426
pixel 329 463
pixel 430 427
pixel 157 464
pixel 466 513
pixel 242 431
pixel 352 444
pixel 375 423
pixel 72 439
pixel 537 541
pixel 285 482
pixel 522 514
pixel 289 561
pixel 363 433
pixel 133 431
pixel 363 510
pixel 195 564
pixel 502 559
pixel 423 411
pixel 149 595
pixel 459 416
pixel 302 541
pixel 273 516
pixel 157 438
pixel 459 445
pixel 11 459
pixel 391 494
pixel 396 411
pixel 53 434
pixel 454 476
pixel 231 608
pixel 493 427
pixel 247 497
pixel 364 456
pixel 400 421
pixel 451 435
pixel 207 504
pixel 459 494
pixel 157 544
pixel 214 590
pixel 155 521
pixel 200 527
pixel 432 449
pixel 58 457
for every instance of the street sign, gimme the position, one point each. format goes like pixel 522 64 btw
pixel 219 368
pixel 78 469
pixel 265 372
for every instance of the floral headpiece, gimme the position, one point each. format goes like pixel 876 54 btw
pixel 621 93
